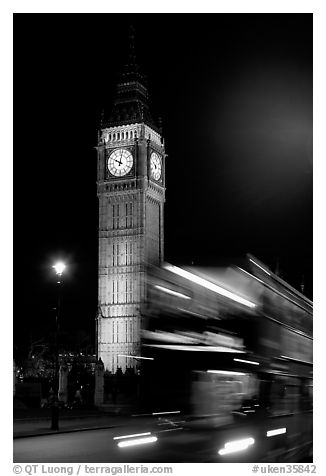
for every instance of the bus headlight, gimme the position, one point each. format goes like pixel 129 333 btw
pixel 236 445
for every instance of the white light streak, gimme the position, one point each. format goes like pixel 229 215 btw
pixel 296 360
pixel 136 357
pixel 246 361
pixel 263 269
pixel 237 445
pixel 138 441
pixel 197 348
pixel 224 372
pixel 209 285
pixel 132 436
pixel 170 291
pixel 277 431
pixel 165 413
pixel 172 429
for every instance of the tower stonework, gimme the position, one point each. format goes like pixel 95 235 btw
pixel 131 193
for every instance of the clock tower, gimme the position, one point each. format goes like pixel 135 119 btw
pixel 131 193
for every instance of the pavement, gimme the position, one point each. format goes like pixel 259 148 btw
pixel 38 421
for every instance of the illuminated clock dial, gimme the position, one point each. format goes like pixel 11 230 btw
pixel 156 166
pixel 120 162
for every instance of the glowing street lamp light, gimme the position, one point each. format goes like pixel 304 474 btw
pixel 59 268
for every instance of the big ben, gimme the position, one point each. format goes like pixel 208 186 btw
pixel 131 193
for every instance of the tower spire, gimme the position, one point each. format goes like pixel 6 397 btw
pixel 132 49
pixel 131 99
pixel 131 70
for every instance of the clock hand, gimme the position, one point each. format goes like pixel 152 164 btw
pixel 119 159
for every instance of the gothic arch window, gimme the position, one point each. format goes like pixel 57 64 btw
pixel 129 253
pixel 115 291
pixel 126 291
pixel 113 136
pixel 110 136
pixel 128 214
pixel 122 135
pixel 131 331
pixel 118 136
pixel 115 216
pixel 127 134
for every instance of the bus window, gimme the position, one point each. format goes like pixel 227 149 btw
pixel 306 394
pixel 285 395
pixel 214 393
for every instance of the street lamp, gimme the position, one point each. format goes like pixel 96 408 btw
pixel 59 269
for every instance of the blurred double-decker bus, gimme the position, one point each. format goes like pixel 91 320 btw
pixel 231 350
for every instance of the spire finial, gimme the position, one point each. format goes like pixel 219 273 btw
pixel 131 67
pixel 132 48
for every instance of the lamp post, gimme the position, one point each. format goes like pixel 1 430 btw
pixel 59 269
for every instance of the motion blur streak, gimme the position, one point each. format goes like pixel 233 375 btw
pixel 131 436
pixel 263 269
pixel 135 357
pixel 138 441
pixel 207 284
pixel 198 348
pixel 246 361
pixel 165 413
pixel 278 431
pixel 225 372
pixel 170 291
pixel 237 445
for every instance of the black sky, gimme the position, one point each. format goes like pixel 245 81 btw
pixel 235 95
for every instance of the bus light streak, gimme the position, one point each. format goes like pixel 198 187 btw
pixel 277 431
pixel 225 372
pixel 131 436
pixel 254 262
pixel 135 357
pixel 170 291
pixel 237 445
pixel 246 361
pixel 138 441
pixel 209 285
pixel 165 413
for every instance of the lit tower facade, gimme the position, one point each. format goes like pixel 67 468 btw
pixel 131 193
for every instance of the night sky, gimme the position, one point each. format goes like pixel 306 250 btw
pixel 234 92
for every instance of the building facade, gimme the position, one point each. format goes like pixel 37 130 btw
pixel 131 194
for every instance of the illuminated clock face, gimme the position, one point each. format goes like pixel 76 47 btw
pixel 156 166
pixel 120 162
